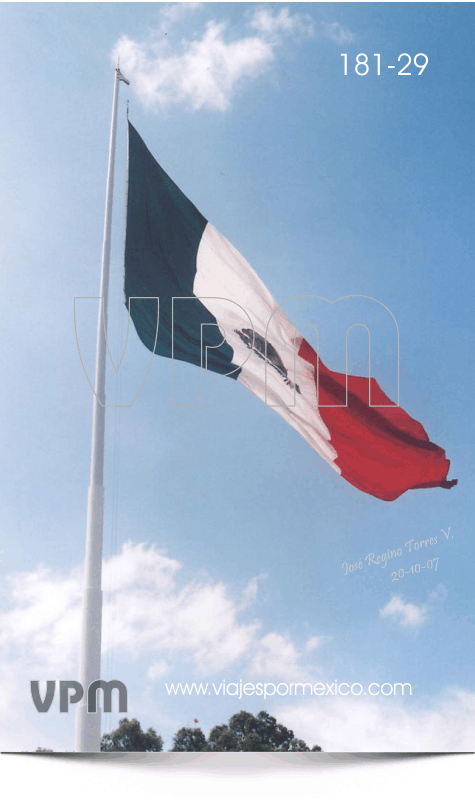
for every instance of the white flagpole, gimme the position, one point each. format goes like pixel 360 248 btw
pixel 88 726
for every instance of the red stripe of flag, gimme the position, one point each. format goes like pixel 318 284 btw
pixel 381 451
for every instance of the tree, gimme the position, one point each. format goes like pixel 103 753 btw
pixel 247 733
pixel 222 739
pixel 130 737
pixel 189 740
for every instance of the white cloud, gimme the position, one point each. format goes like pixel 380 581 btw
pixel 250 591
pixel 277 657
pixel 281 22
pixel 208 70
pixel 148 612
pixel 407 614
pixel 173 12
pixel 315 641
pixel 200 621
pixel 158 670
pixel 36 625
pixel 439 594
pixel 139 563
pixel 206 74
pixel 338 33
pixel 349 724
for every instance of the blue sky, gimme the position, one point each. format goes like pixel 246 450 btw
pixel 329 185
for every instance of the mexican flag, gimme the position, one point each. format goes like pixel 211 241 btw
pixel 215 312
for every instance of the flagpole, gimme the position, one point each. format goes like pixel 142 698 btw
pixel 88 726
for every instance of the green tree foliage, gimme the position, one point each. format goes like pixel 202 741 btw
pixel 189 740
pixel 221 739
pixel 129 737
pixel 243 733
pixel 247 733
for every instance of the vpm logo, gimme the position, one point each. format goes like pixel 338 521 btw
pixel 65 698
pixel 354 310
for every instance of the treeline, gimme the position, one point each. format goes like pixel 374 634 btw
pixel 243 733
